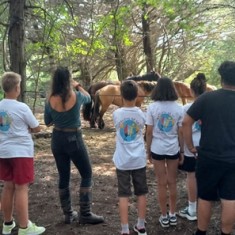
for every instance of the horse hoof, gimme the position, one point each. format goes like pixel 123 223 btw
pixel 101 126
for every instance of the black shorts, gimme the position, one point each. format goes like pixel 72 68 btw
pixel 136 177
pixel 215 180
pixel 163 157
pixel 189 164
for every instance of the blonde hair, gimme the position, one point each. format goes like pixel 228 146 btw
pixel 10 80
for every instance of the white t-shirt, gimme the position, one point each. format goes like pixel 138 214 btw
pixel 196 133
pixel 130 150
pixel 165 117
pixel 15 120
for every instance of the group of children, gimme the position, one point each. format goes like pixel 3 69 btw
pixel 165 150
pixel 164 144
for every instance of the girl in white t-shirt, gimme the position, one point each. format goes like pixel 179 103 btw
pixel 198 87
pixel 165 145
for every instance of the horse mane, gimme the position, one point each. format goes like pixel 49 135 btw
pixel 152 76
pixel 146 86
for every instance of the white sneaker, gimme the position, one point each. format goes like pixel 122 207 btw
pixel 6 229
pixel 32 229
pixel 184 213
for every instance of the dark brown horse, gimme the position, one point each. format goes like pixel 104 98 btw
pixel 111 94
pixel 88 109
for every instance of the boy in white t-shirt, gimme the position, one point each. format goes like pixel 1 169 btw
pixel 16 156
pixel 130 157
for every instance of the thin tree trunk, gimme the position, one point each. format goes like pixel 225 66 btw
pixel 147 41
pixel 16 42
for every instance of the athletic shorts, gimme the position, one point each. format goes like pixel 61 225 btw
pixel 215 180
pixel 18 170
pixel 164 157
pixel 189 164
pixel 128 177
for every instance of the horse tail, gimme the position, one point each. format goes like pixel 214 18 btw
pixel 87 108
pixel 96 105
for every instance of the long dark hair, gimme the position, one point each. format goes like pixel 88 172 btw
pixel 198 84
pixel 164 90
pixel 61 84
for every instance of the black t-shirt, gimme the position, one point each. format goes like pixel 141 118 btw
pixel 216 110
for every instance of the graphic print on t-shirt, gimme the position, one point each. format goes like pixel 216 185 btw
pixel 5 121
pixel 128 130
pixel 197 125
pixel 165 122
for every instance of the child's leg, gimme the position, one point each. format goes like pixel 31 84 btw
pixel 123 210
pixel 172 166
pixel 142 206
pixel 192 191
pixel 8 200
pixel 141 211
pixel 160 172
pixel 21 204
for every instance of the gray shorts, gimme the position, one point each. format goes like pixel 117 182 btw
pixel 128 177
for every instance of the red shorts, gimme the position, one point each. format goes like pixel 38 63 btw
pixel 18 170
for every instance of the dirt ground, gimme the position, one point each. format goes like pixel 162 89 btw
pixel 44 207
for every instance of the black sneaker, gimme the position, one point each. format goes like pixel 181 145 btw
pixel 141 231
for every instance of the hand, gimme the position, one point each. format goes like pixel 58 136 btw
pixel 194 151
pixel 150 158
pixel 181 159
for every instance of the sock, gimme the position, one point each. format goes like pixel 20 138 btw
pixel 8 223
pixel 199 232
pixel 125 228
pixel 192 207
pixel 140 223
pixel 170 214
pixel 225 233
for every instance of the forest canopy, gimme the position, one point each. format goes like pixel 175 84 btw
pixel 113 39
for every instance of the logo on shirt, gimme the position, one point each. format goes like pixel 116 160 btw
pixel 197 125
pixel 165 122
pixel 5 121
pixel 128 130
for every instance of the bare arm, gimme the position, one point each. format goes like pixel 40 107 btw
pixel 181 144
pixel 149 137
pixel 187 133
pixel 35 130
pixel 77 86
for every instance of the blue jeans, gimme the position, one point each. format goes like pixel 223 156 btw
pixel 67 147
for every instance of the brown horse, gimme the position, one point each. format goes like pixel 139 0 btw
pixel 88 109
pixel 184 91
pixel 111 94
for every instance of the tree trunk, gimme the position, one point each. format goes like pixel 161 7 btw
pixel 147 41
pixel 16 42
pixel 120 63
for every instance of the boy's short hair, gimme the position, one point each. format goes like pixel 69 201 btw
pixel 129 90
pixel 10 80
pixel 227 72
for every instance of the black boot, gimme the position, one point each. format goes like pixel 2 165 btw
pixel 65 200
pixel 86 216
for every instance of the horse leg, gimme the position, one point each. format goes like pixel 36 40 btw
pixel 92 119
pixel 101 123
